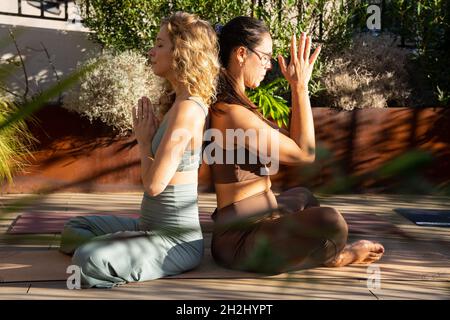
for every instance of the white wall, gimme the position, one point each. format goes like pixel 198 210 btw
pixel 66 42
pixel 71 25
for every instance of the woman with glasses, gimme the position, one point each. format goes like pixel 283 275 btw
pixel 254 229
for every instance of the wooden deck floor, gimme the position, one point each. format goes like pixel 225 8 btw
pixel 416 264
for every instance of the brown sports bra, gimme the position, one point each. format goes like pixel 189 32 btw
pixel 239 169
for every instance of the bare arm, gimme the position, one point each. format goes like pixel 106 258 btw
pixel 144 126
pixel 298 74
pixel 265 139
pixel 147 160
pixel 302 124
pixel 181 128
pixel 299 146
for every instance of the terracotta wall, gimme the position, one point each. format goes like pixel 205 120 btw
pixel 75 155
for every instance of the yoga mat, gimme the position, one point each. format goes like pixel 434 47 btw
pixel 426 217
pixel 36 223
pixel 43 223
pixel 370 224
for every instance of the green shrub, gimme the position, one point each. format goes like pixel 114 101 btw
pixel 330 23
pixel 371 73
pixel 133 24
pixel 270 103
pixel 425 26
pixel 109 92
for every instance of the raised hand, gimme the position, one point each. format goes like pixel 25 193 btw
pixel 145 122
pixel 298 72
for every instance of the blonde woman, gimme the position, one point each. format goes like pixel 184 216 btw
pixel 166 239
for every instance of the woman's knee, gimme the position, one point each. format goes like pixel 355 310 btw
pixel 311 200
pixel 70 239
pixel 335 221
pixel 73 235
pixel 297 199
pixel 82 256
pixel 75 222
pixel 91 260
pixel 67 244
pixel 331 220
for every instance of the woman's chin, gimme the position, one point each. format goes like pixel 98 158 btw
pixel 155 72
pixel 254 85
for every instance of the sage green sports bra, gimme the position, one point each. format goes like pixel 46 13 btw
pixel 191 159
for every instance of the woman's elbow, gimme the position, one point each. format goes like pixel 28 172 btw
pixel 310 159
pixel 307 156
pixel 306 160
pixel 298 160
pixel 154 190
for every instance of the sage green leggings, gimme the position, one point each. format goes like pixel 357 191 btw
pixel 166 240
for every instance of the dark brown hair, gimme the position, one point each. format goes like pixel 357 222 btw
pixel 240 31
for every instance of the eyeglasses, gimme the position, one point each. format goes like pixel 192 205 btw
pixel 265 59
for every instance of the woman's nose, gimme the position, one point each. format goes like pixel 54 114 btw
pixel 150 52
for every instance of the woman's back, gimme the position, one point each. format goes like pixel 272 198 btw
pixel 235 180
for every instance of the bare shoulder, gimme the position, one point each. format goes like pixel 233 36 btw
pixel 188 112
pixel 238 116
pixel 242 117
pixel 187 107
pixel 236 112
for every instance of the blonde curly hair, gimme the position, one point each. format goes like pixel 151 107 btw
pixel 195 56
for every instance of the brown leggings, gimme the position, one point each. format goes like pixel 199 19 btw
pixel 297 234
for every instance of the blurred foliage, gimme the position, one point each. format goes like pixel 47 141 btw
pixel 442 96
pixel 27 109
pixel 16 142
pixel 424 25
pixel 403 174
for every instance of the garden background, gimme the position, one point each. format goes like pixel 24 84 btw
pixel 380 97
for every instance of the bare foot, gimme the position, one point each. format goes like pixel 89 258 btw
pixel 359 252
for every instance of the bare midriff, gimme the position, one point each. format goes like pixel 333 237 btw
pixel 184 177
pixel 227 193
